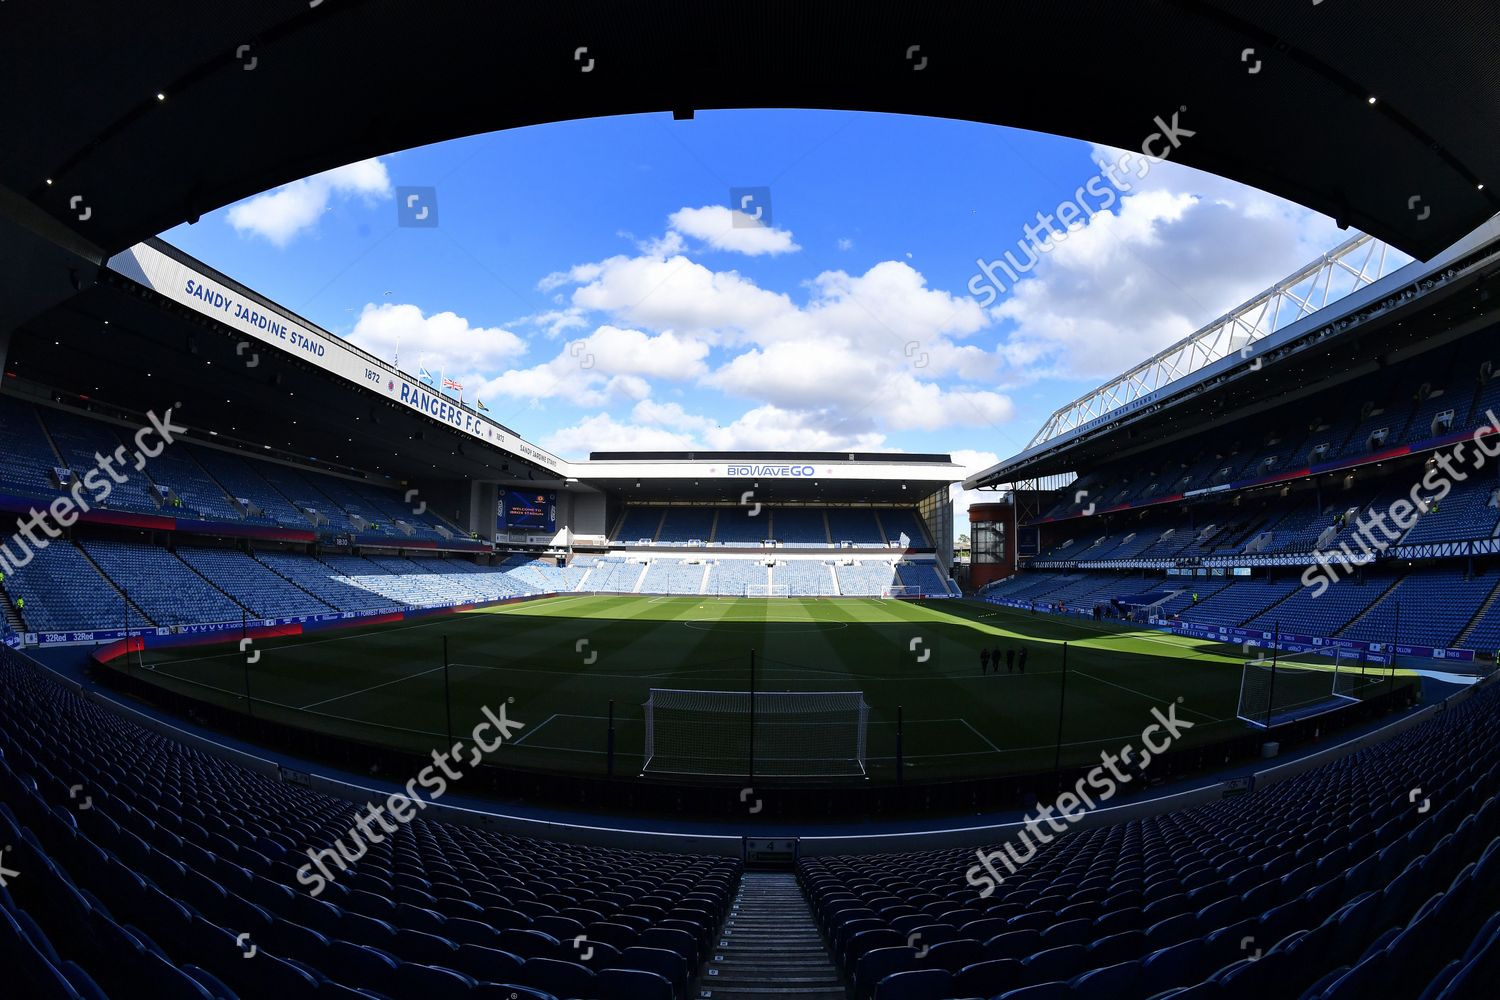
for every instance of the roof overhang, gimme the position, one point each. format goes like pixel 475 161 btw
pixel 1433 303
pixel 123 120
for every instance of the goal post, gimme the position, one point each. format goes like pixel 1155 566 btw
pixel 1296 686
pixel 898 590
pixel 768 590
pixel 799 734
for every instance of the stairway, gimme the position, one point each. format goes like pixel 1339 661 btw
pixel 134 616
pixel 12 616
pixel 770 946
pixel 1387 592
pixel 1484 609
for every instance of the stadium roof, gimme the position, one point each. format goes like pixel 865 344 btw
pixel 122 120
pixel 161 329
pixel 1411 310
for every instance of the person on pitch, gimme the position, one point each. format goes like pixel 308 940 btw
pixel 984 659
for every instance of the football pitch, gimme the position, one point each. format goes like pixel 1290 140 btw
pixel 558 663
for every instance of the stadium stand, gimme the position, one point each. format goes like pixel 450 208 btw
pixel 62 591
pixel 639 523
pixel 804 578
pixel 543 576
pixel 789 525
pixel 80 441
pixel 865 579
pixel 923 576
pixel 161 585
pixel 183 487
pixel 240 480
pixel 616 576
pixel 252 584
pixel 687 524
pixel 1333 875
pixel 898 521
pixel 739 526
pixel 196 482
pixel 736 576
pixel 672 576
pixel 1434 605
pixel 30 463
pixel 799 526
pixel 323 582
pixel 854 524
pixel 180 853
pixel 1338 884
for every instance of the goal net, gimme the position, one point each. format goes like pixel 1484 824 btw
pixel 1302 685
pixel 806 734
pixel 901 590
pixel 768 590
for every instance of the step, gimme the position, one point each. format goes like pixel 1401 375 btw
pixel 770 946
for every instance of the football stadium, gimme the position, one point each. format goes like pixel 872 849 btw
pixel 354 648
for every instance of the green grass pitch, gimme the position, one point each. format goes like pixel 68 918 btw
pixel 564 659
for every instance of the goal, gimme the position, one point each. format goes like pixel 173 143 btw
pixel 901 590
pixel 806 734
pixel 1299 686
pixel 768 590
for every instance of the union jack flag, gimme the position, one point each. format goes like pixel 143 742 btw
pixel 448 383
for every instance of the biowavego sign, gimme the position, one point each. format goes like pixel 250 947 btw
pixel 771 471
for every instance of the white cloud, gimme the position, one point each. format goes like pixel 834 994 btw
pixel 668 427
pixel 281 215
pixel 845 243
pixel 444 341
pixel 675 293
pixel 724 229
pixel 1180 249
pixel 608 366
pixel 874 348
pixel 601 432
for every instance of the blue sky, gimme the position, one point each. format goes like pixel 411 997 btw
pixel 589 281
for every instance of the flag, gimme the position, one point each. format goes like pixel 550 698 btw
pixel 482 407
pixel 448 383
pixel 423 375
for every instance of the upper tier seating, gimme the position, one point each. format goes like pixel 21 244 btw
pixel 639 523
pixel 29 459
pixel 241 480
pixel 798 526
pixel 742 525
pixel 81 441
pixel 854 524
pixel 687 524
pixel 903 520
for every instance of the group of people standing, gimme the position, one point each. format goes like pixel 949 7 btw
pixel 1013 661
